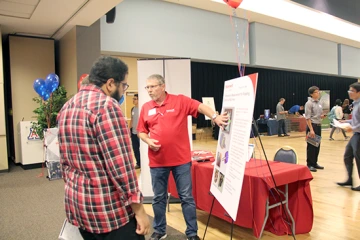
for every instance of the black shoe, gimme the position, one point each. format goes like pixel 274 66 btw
pixel 312 169
pixel 355 188
pixel 137 166
pixel 317 166
pixel 157 236
pixel 346 183
pixel 193 238
pixel 287 135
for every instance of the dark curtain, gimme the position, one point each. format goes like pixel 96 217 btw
pixel 207 80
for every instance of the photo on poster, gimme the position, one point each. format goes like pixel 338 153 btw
pixel 216 176
pixel 222 140
pixel 218 159
pixel 221 182
pixel 229 112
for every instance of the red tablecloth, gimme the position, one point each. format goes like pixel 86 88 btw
pixel 255 191
pixel 301 121
pixel 195 154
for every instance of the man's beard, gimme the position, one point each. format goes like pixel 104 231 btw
pixel 116 95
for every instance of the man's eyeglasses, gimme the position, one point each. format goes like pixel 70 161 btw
pixel 152 86
pixel 135 99
pixel 125 86
pixel 351 91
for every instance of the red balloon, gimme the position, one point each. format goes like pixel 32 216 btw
pixel 81 79
pixel 233 3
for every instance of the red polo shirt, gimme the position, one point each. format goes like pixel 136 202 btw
pixel 168 124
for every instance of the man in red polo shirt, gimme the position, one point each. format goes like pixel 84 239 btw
pixel 163 126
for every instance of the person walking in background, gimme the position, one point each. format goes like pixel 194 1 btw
pixel 346 109
pixel 280 118
pixel 163 126
pixel 352 149
pixel 133 125
pixel 313 115
pixel 336 113
pixel 102 196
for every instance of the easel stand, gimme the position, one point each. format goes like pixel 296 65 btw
pixel 208 221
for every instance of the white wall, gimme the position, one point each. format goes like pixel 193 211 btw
pixel 279 48
pixel 349 61
pixel 151 27
pixel 177 81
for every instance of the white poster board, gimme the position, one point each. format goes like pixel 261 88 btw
pixel 177 81
pixel 209 101
pixel 31 146
pixel 233 145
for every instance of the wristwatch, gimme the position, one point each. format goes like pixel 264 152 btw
pixel 214 116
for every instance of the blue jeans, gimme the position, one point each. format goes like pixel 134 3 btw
pixel 182 177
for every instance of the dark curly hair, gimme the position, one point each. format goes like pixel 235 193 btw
pixel 108 67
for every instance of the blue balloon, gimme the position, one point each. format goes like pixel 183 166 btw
pixel 46 96
pixel 39 86
pixel 121 99
pixel 52 82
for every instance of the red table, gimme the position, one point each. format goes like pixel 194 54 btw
pixel 255 193
pixel 300 121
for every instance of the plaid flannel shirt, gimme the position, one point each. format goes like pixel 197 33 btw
pixel 96 162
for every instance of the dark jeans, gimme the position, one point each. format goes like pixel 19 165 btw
pixel 126 232
pixel 281 126
pixel 352 151
pixel 136 147
pixel 312 152
pixel 182 177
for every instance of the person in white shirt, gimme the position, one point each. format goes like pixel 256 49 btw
pixel 336 113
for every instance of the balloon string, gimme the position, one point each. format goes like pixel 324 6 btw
pixel 246 40
pixel 242 68
pixel 238 44
pixel 50 110
pixel 236 48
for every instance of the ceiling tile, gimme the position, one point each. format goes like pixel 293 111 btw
pixel 16 7
pixel 27 2
pixel 14 14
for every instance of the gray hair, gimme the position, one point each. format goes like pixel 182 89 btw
pixel 158 77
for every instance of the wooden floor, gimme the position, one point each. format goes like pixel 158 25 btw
pixel 336 209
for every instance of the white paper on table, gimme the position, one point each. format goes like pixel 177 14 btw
pixel 209 101
pixel 340 124
pixel 251 151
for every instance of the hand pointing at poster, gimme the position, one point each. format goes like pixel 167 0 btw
pixel 222 120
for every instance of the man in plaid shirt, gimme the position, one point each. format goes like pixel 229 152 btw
pixel 102 196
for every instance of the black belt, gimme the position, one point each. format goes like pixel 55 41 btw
pixel 316 124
